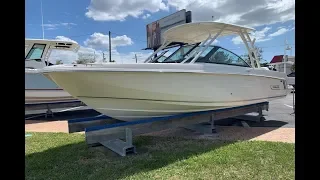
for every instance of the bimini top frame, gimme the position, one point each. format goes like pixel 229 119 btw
pixel 192 33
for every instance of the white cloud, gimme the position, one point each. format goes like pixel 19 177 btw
pixel 63 38
pixel 51 28
pixel 249 12
pixel 237 40
pixel 107 10
pixel 263 35
pixel 68 24
pixel 146 16
pixel 246 12
pixel 280 31
pixel 259 35
pixel 55 26
pixel 101 41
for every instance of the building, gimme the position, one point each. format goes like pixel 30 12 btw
pixel 283 63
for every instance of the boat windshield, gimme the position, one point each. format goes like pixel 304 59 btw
pixel 160 57
pixel 213 54
pixel 180 54
pixel 36 51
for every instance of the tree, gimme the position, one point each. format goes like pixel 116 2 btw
pixel 84 58
pixel 222 57
pixel 59 62
pixel 259 54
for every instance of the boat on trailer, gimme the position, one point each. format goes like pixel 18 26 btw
pixel 197 77
pixel 38 88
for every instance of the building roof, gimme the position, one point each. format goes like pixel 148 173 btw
pixel 276 59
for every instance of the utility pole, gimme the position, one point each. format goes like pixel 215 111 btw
pixel 109 46
pixel 135 55
pixel 285 56
pixel 103 57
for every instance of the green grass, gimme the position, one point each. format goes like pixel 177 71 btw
pixel 66 156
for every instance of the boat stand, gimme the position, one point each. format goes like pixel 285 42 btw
pixel 117 135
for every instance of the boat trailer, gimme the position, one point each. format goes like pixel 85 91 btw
pixel 117 135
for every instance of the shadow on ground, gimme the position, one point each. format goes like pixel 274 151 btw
pixel 237 122
pixel 223 132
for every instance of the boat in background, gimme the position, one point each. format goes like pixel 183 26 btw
pixel 38 88
pixel 196 77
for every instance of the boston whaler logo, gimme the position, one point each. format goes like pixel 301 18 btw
pixel 275 87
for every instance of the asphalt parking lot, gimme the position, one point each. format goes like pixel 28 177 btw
pixel 281 111
pixel 280 114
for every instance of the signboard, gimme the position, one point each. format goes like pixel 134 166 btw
pixel 157 28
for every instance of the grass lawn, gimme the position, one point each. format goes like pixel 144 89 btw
pixel 66 156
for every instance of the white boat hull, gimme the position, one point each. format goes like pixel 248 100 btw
pixel 144 92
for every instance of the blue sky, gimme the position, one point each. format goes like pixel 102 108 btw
pixel 88 22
